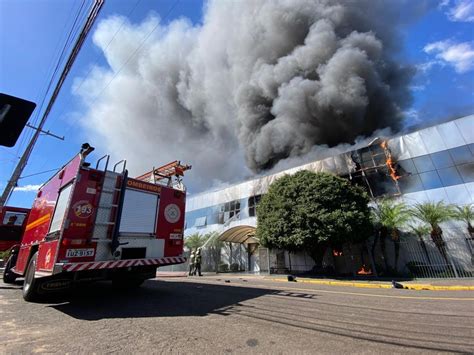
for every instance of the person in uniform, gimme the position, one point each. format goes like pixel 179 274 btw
pixel 192 258
pixel 197 262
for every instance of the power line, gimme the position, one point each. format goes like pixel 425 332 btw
pixel 94 12
pixel 53 71
pixel 129 58
pixel 85 77
pixel 42 172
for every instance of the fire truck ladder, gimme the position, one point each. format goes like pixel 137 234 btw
pixel 167 171
pixel 109 211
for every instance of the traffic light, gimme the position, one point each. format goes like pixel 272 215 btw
pixel 14 114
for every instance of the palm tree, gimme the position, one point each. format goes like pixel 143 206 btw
pixel 420 231
pixel 390 216
pixel 434 214
pixel 195 241
pixel 466 214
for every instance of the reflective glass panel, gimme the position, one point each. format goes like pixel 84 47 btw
pixel 467 172
pixel 423 163
pixel 441 159
pixel 430 180
pixel 471 148
pixel 461 155
pixel 407 167
pixel 410 183
pixel 450 176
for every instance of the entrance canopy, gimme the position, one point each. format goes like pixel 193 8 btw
pixel 239 234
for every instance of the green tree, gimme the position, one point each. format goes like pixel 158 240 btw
pixel 433 214
pixel 195 241
pixel 466 215
pixel 312 211
pixel 389 216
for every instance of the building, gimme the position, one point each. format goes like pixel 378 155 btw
pixel 430 164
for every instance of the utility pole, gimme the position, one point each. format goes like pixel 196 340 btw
pixel 12 183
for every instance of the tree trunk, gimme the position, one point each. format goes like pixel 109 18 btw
pixel 423 246
pixel 383 235
pixel 317 254
pixel 437 238
pixel 396 242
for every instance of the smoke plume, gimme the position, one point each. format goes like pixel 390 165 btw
pixel 256 83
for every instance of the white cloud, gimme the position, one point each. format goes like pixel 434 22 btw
pixel 413 115
pixel 418 87
pixel 443 3
pixel 27 188
pixel 426 66
pixel 462 11
pixel 458 55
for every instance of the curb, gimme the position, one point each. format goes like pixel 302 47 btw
pixel 418 287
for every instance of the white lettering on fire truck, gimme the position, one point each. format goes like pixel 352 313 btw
pixel 172 213
pixel 79 253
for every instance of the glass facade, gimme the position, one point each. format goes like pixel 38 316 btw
pixel 438 157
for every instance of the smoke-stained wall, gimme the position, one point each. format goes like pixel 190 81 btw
pixel 256 83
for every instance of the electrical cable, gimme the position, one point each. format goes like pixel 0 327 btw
pixel 129 58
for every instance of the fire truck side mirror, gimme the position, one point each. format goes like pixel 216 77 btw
pixel 14 113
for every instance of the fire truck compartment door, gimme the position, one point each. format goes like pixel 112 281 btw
pixel 139 212
pixel 60 210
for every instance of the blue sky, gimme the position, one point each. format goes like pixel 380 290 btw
pixel 440 44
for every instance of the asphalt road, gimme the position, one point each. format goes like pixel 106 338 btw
pixel 249 315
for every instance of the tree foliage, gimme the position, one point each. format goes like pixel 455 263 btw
pixel 389 216
pixel 310 211
pixel 195 241
pixel 433 214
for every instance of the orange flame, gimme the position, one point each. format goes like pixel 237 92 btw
pixel 389 162
pixel 364 270
pixel 337 253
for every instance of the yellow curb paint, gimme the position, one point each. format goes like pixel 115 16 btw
pixel 314 291
pixel 417 287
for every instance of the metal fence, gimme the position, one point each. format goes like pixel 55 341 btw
pixel 417 258
pixel 425 259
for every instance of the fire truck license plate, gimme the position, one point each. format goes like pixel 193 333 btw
pixel 79 253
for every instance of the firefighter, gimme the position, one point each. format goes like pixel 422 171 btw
pixel 12 220
pixel 197 262
pixel 192 259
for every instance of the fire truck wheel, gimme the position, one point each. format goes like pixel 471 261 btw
pixel 30 286
pixel 9 277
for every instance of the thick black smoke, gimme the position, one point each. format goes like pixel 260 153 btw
pixel 258 81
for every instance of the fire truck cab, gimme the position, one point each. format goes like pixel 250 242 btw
pixel 91 224
pixel 12 224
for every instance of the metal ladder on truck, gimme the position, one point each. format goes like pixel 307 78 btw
pixel 105 232
pixel 156 175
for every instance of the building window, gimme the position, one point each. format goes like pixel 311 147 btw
pixel 230 210
pixel 200 222
pixel 253 202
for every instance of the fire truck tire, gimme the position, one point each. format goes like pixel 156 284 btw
pixel 30 286
pixel 9 277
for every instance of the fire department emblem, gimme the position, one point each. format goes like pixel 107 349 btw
pixel 172 213
pixel 48 257
pixel 82 209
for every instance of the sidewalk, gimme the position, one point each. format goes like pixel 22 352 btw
pixel 426 284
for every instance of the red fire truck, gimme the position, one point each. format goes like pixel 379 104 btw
pixel 12 224
pixel 91 224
